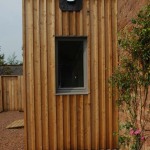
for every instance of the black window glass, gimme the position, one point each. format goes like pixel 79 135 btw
pixel 70 71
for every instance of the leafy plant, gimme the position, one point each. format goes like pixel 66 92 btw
pixel 132 78
pixel 13 61
pixel 5 68
pixel 2 57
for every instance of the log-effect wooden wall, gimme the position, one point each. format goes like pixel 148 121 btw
pixel 11 93
pixel 69 121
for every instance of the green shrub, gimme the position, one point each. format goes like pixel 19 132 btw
pixel 132 78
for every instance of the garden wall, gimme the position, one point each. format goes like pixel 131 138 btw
pixel 128 9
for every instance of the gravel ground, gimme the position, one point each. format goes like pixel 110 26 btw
pixel 11 139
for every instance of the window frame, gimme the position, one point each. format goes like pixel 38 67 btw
pixel 72 90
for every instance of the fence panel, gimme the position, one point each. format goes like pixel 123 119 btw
pixel 1 102
pixel 11 90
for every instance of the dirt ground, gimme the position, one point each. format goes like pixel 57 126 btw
pixel 11 139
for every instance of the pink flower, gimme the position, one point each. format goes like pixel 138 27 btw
pixel 142 138
pixel 131 131
pixel 137 132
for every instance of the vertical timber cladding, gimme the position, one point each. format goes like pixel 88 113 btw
pixel 69 121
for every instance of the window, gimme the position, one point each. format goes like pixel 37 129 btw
pixel 71 65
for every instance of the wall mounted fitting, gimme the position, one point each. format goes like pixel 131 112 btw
pixel 70 5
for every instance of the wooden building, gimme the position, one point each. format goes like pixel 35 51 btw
pixel 70 51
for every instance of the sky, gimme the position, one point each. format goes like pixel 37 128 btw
pixel 11 28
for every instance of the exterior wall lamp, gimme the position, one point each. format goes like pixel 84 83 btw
pixel 70 0
pixel 70 5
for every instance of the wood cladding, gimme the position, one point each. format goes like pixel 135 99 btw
pixel 69 121
pixel 11 93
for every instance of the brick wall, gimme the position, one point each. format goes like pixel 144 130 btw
pixel 128 9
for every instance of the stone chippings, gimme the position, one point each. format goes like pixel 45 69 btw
pixel 11 139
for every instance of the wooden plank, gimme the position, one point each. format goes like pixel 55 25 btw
pixel 43 69
pixel 60 126
pixel 5 94
pixel 73 23
pixel 102 69
pixel 95 78
pixel 106 75
pixel 87 122
pixel 11 94
pixel 1 100
pixel 16 124
pixel 59 25
pixel 80 123
pixel 65 21
pixel 87 99
pixel 9 89
pixel 15 91
pixel 73 122
pixel 24 92
pixel 20 90
pixel 108 72
pixel 20 85
pixel 79 18
pixel 115 63
pixel 30 75
pixel 85 14
pixel 26 78
pixel 66 113
pixel 91 71
pixel 19 93
pixel 37 78
pixel 51 73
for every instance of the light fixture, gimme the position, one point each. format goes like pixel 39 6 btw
pixel 70 0
pixel 70 5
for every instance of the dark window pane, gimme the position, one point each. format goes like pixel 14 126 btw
pixel 70 64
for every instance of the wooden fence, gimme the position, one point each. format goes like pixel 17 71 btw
pixel 11 90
